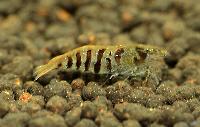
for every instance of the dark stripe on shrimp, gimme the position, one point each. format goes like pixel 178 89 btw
pixel 142 56
pixel 78 60
pixel 69 62
pixel 88 60
pixel 118 54
pixel 97 65
pixel 108 64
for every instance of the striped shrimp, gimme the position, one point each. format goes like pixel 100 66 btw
pixel 130 60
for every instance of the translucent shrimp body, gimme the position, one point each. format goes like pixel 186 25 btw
pixel 119 59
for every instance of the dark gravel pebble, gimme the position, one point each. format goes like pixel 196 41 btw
pixel 138 112
pixel 193 103
pixel 155 101
pixel 107 119
pixel 192 18
pixel 4 57
pixel 61 30
pixel 33 88
pixel 181 106
pixel 74 100
pixel 53 120
pixel 59 46
pixel 196 112
pixel 42 113
pixel 177 48
pixel 131 123
pixel 181 124
pixel 118 92
pixel 10 6
pixel 90 22
pixel 37 99
pixel 103 104
pixel 18 119
pixel 195 123
pixel 11 27
pixel 10 82
pixel 73 116
pixel 30 108
pixel 159 5
pixel 118 39
pixel 170 116
pixel 167 90
pixel 4 107
pixel 139 34
pixel 11 42
pixel 77 84
pixel 85 123
pixel 7 95
pixel 170 31
pixel 129 17
pixel 17 67
pixel 156 125
pixel 155 37
pixel 60 88
pixel 189 65
pixel 86 38
pixel 193 37
pixel 89 110
pixel 92 90
pixel 91 38
pixel 145 96
pixel 21 94
pixel 57 104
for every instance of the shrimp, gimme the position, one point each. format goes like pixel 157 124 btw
pixel 130 60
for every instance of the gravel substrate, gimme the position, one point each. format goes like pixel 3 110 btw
pixel 34 31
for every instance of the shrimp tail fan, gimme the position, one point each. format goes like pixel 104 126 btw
pixel 51 65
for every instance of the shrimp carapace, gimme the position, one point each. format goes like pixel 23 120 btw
pixel 119 59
